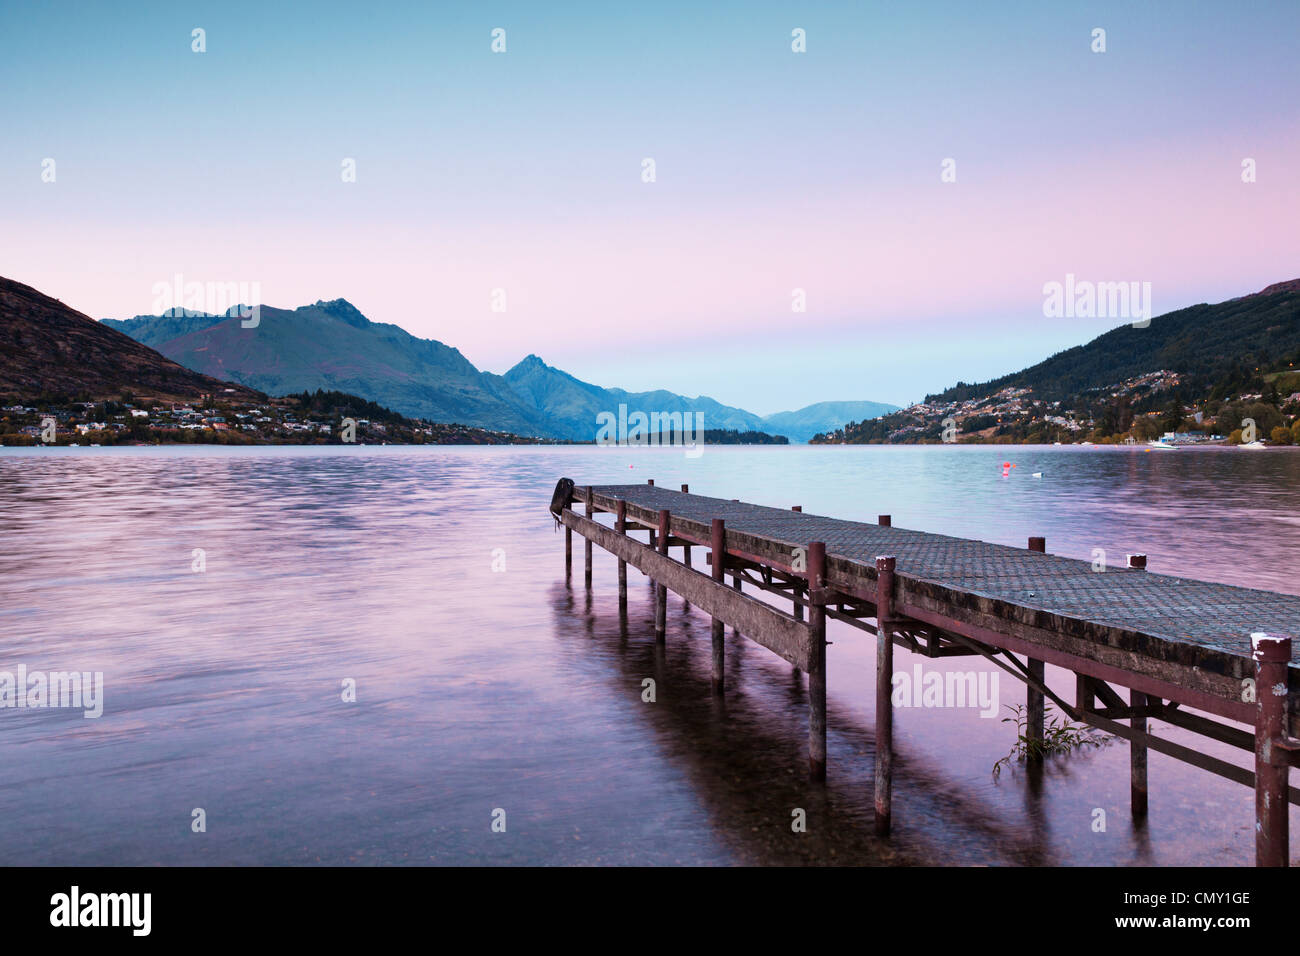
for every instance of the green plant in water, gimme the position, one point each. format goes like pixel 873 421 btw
pixel 1060 736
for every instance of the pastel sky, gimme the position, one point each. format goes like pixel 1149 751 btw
pixel 775 170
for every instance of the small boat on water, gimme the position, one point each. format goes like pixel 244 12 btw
pixel 1161 443
pixel 1252 445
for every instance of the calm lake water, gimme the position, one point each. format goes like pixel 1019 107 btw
pixel 479 689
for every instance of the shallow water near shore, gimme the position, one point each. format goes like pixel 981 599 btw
pixel 433 578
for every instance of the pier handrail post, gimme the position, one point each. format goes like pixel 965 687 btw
pixel 1272 654
pixel 650 534
pixel 586 546
pixel 620 525
pixel 661 589
pixel 686 548
pixel 797 588
pixel 1035 704
pixel 718 547
pixel 885 565
pixel 817 663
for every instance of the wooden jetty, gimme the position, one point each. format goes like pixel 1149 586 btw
pixel 1177 645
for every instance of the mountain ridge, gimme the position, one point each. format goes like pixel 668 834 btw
pixel 331 344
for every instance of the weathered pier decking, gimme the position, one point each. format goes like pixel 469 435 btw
pixel 1174 643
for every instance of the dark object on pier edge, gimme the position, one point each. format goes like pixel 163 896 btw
pixel 562 496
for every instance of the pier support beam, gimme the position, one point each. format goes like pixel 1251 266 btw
pixel 586 545
pixel 661 589
pixel 1035 705
pixel 620 525
pixel 884 695
pixel 1272 653
pixel 1138 756
pixel 718 545
pixel 817 663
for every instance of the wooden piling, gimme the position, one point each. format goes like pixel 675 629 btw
pixel 568 552
pixel 797 589
pixel 661 589
pixel 586 544
pixel 1083 693
pixel 1272 654
pixel 1035 709
pixel 686 548
pixel 884 694
pixel 718 549
pixel 620 525
pixel 1035 704
pixel 1138 755
pixel 817 663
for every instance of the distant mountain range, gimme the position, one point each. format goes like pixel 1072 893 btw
pixel 331 345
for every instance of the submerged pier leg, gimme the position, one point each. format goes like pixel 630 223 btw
pixel 620 525
pixel 586 544
pixel 1035 710
pixel 568 551
pixel 817 664
pixel 1272 653
pixel 1035 705
pixel 718 547
pixel 884 695
pixel 661 589
pixel 1138 758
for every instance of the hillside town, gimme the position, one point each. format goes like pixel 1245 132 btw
pixel 1147 408
pixel 306 419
